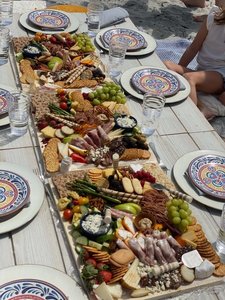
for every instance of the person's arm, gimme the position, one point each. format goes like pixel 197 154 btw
pixel 195 46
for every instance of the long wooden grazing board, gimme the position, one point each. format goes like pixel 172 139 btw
pixel 60 181
pixel 89 118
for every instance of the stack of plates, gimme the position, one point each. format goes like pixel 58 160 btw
pixel 145 79
pixel 207 173
pixel 201 174
pixel 5 98
pixel 21 196
pixel 139 43
pixel 49 21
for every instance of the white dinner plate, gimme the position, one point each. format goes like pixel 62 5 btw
pixel 49 18
pixel 4 119
pixel 150 41
pixel 51 284
pixel 36 197
pixel 73 26
pixel 127 75
pixel 181 166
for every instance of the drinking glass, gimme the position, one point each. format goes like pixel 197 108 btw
pixel 220 243
pixel 117 52
pixel 6 12
pixel 4 44
pixel 151 111
pixel 94 10
pixel 18 110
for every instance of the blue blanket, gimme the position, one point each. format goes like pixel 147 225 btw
pixel 172 49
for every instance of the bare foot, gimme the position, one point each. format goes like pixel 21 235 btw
pixel 194 3
pixel 199 18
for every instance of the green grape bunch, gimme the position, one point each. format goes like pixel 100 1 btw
pixel 110 91
pixel 84 42
pixel 179 214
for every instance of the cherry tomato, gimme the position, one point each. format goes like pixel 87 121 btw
pixel 76 209
pixel 67 214
pixel 63 105
pixel 83 200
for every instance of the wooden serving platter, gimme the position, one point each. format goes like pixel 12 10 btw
pixel 59 182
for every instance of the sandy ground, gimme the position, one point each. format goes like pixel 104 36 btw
pixel 161 18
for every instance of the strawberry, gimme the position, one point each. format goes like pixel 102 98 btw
pixel 91 261
pixel 106 276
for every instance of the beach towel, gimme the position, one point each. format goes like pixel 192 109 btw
pixel 172 49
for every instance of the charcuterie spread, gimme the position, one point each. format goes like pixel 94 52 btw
pixel 63 60
pixel 87 131
pixel 130 240
pixel 88 125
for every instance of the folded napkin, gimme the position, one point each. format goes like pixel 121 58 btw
pixel 113 16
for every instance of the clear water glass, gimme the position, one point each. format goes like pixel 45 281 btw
pixel 151 111
pixel 4 44
pixel 6 12
pixel 94 10
pixel 220 242
pixel 18 111
pixel 117 52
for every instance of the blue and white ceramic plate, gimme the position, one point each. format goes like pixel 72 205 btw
pixel 49 19
pixel 36 282
pixel 14 193
pixel 134 39
pixel 30 289
pixel 5 98
pixel 156 81
pixel 207 172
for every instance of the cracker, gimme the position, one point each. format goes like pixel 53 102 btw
pixel 51 156
pixel 220 271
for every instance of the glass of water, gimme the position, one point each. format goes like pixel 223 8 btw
pixel 151 111
pixel 4 44
pixel 220 243
pixel 6 12
pixel 94 10
pixel 18 110
pixel 117 52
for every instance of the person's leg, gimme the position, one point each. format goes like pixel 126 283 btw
pixel 210 82
pixel 175 67
pixel 222 98
pixel 194 3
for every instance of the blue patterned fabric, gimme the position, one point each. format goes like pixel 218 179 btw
pixel 172 49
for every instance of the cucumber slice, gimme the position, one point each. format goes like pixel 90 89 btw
pixel 84 210
pixel 95 245
pixel 75 234
pixel 104 238
pixel 82 240
pixel 78 249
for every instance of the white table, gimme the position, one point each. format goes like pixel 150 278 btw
pixel 182 129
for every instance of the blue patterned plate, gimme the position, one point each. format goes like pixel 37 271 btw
pixel 135 40
pixel 152 80
pixel 49 18
pixel 14 193
pixel 5 97
pixel 207 172
pixel 30 289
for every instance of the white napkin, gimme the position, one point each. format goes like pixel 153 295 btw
pixel 113 16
